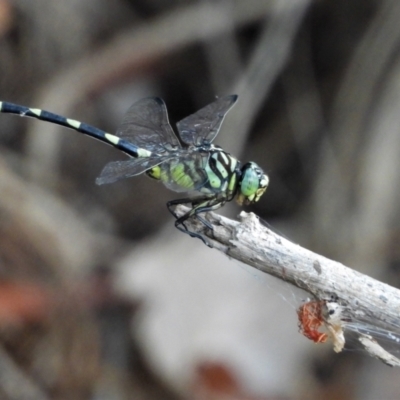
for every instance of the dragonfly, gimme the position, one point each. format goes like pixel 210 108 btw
pixel 187 162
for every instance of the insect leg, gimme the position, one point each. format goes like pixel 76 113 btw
pixel 173 203
pixel 198 204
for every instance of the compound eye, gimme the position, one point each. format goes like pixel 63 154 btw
pixel 250 182
pixel 253 184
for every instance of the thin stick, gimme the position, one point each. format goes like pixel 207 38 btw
pixel 363 300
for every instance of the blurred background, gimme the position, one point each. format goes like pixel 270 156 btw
pixel 100 296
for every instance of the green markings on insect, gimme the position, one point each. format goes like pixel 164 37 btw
pixel 36 111
pixel 112 139
pixel 190 163
pixel 215 182
pixel 180 177
pixel 232 183
pixel 143 152
pixel 221 166
pixel 73 123
pixel 157 174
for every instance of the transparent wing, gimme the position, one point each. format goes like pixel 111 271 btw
pixel 185 173
pixel 117 170
pixel 146 125
pixel 204 125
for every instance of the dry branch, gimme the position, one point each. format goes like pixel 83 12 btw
pixel 362 299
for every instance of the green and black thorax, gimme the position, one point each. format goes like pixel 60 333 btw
pixel 218 171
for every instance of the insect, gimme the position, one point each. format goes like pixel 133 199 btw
pixel 190 163
pixel 310 320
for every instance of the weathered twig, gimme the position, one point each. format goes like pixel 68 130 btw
pixel 362 300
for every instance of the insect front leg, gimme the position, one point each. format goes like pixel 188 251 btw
pixel 180 221
pixel 200 204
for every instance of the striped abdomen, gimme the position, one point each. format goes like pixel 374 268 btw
pixel 78 126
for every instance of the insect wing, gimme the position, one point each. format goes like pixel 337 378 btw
pixel 204 125
pixel 185 173
pixel 146 125
pixel 117 170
